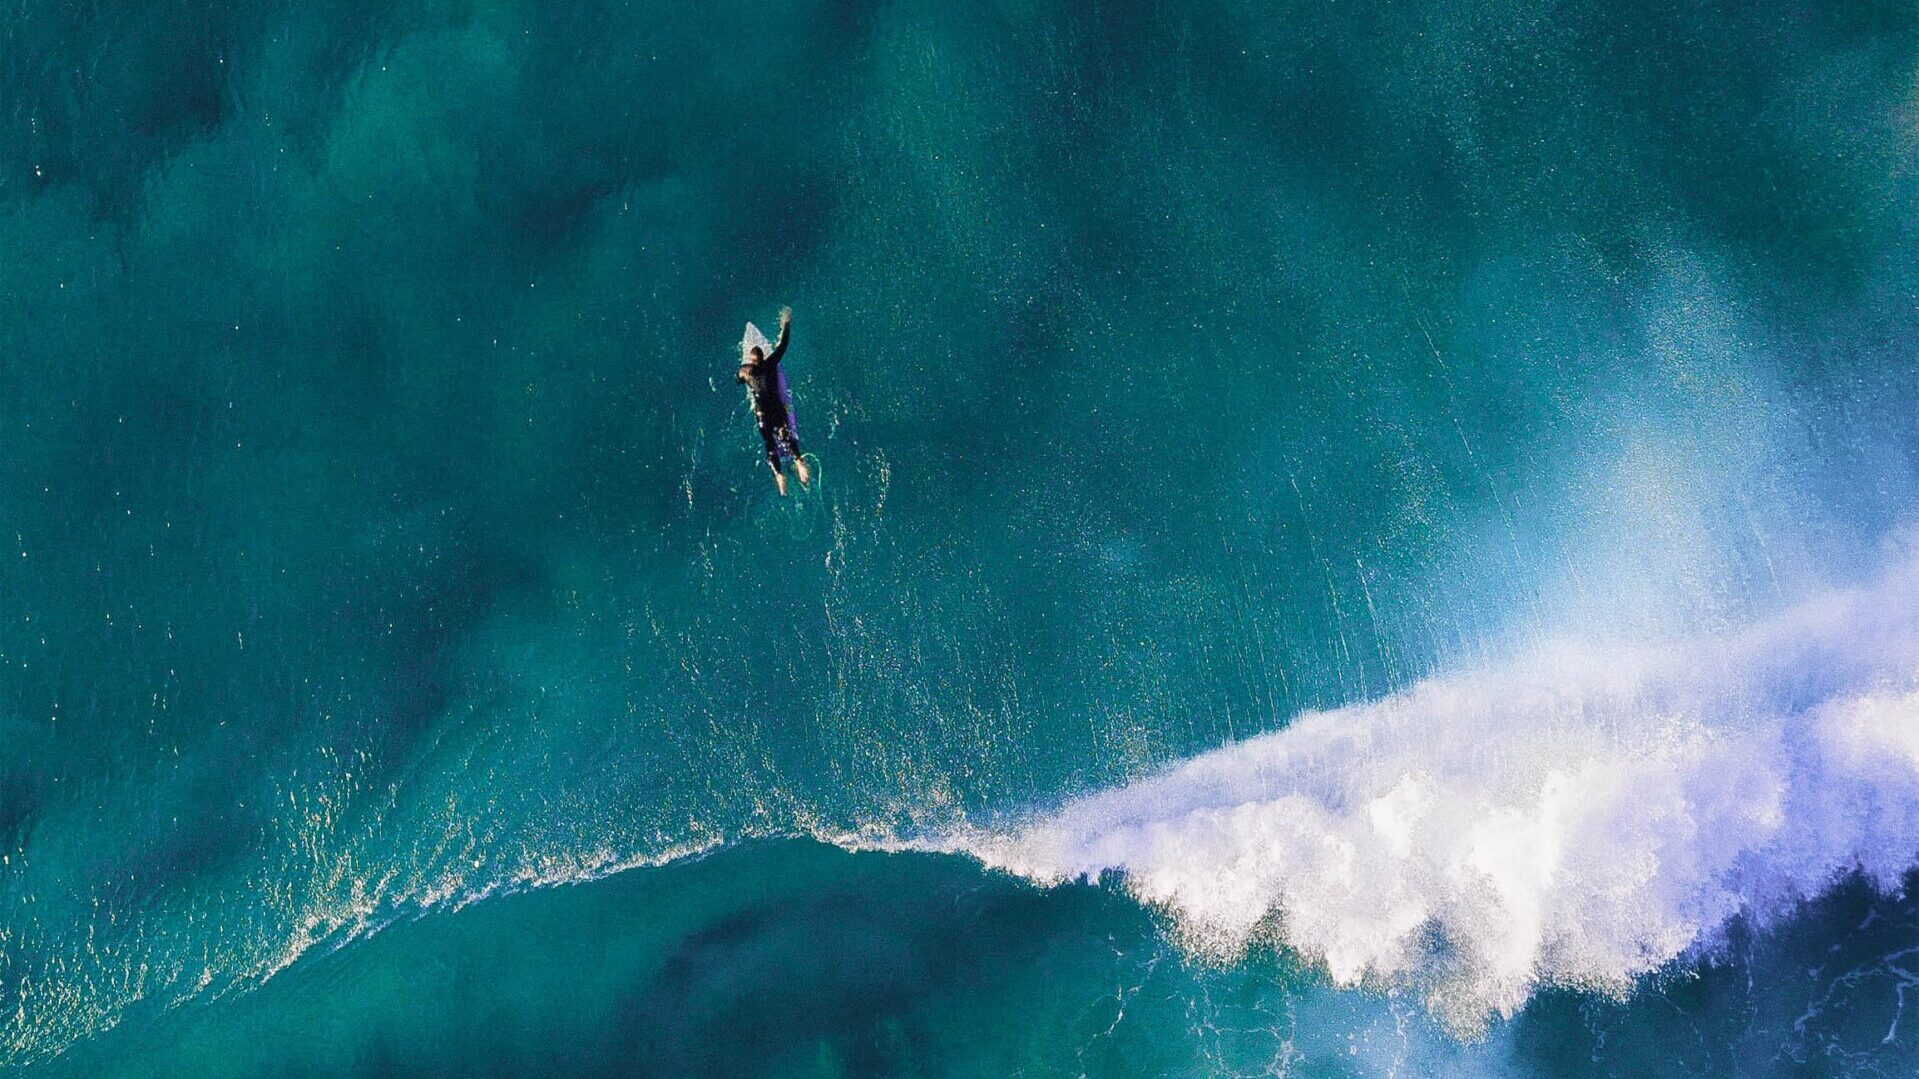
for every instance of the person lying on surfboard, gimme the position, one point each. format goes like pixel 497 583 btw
pixel 772 403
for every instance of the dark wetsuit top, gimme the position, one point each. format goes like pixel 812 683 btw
pixel 766 389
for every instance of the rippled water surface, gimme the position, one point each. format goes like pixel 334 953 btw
pixel 1351 539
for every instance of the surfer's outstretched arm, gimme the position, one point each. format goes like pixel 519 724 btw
pixel 786 328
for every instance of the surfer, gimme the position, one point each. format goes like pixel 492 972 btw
pixel 772 403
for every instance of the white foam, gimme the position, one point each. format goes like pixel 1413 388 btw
pixel 1580 817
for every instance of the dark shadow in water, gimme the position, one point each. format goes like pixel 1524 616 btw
pixel 792 958
pixel 776 956
pixel 1819 994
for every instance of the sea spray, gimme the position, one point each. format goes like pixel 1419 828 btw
pixel 1579 817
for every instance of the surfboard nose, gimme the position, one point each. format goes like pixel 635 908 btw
pixel 753 339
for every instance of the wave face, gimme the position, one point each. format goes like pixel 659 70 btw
pixel 1578 818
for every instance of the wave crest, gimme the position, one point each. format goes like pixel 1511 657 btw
pixel 1578 818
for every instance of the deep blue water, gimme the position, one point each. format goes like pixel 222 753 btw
pixel 407 665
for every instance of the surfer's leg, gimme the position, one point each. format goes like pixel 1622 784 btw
pixel 791 444
pixel 773 459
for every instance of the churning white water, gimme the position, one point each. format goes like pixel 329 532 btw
pixel 1579 817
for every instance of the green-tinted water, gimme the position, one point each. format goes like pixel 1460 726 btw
pixel 390 532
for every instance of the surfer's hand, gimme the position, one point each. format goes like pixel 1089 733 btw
pixel 786 317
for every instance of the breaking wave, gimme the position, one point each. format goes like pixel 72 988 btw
pixel 1579 817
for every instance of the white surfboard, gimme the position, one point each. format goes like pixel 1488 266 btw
pixel 754 339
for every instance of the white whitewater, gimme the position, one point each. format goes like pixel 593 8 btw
pixel 1577 818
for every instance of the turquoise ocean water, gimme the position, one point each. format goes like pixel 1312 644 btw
pixel 1353 539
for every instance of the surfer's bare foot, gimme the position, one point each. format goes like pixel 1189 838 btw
pixel 805 474
pixel 779 480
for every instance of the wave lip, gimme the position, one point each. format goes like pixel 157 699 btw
pixel 1578 818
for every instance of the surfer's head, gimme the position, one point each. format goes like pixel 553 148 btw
pixel 754 355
